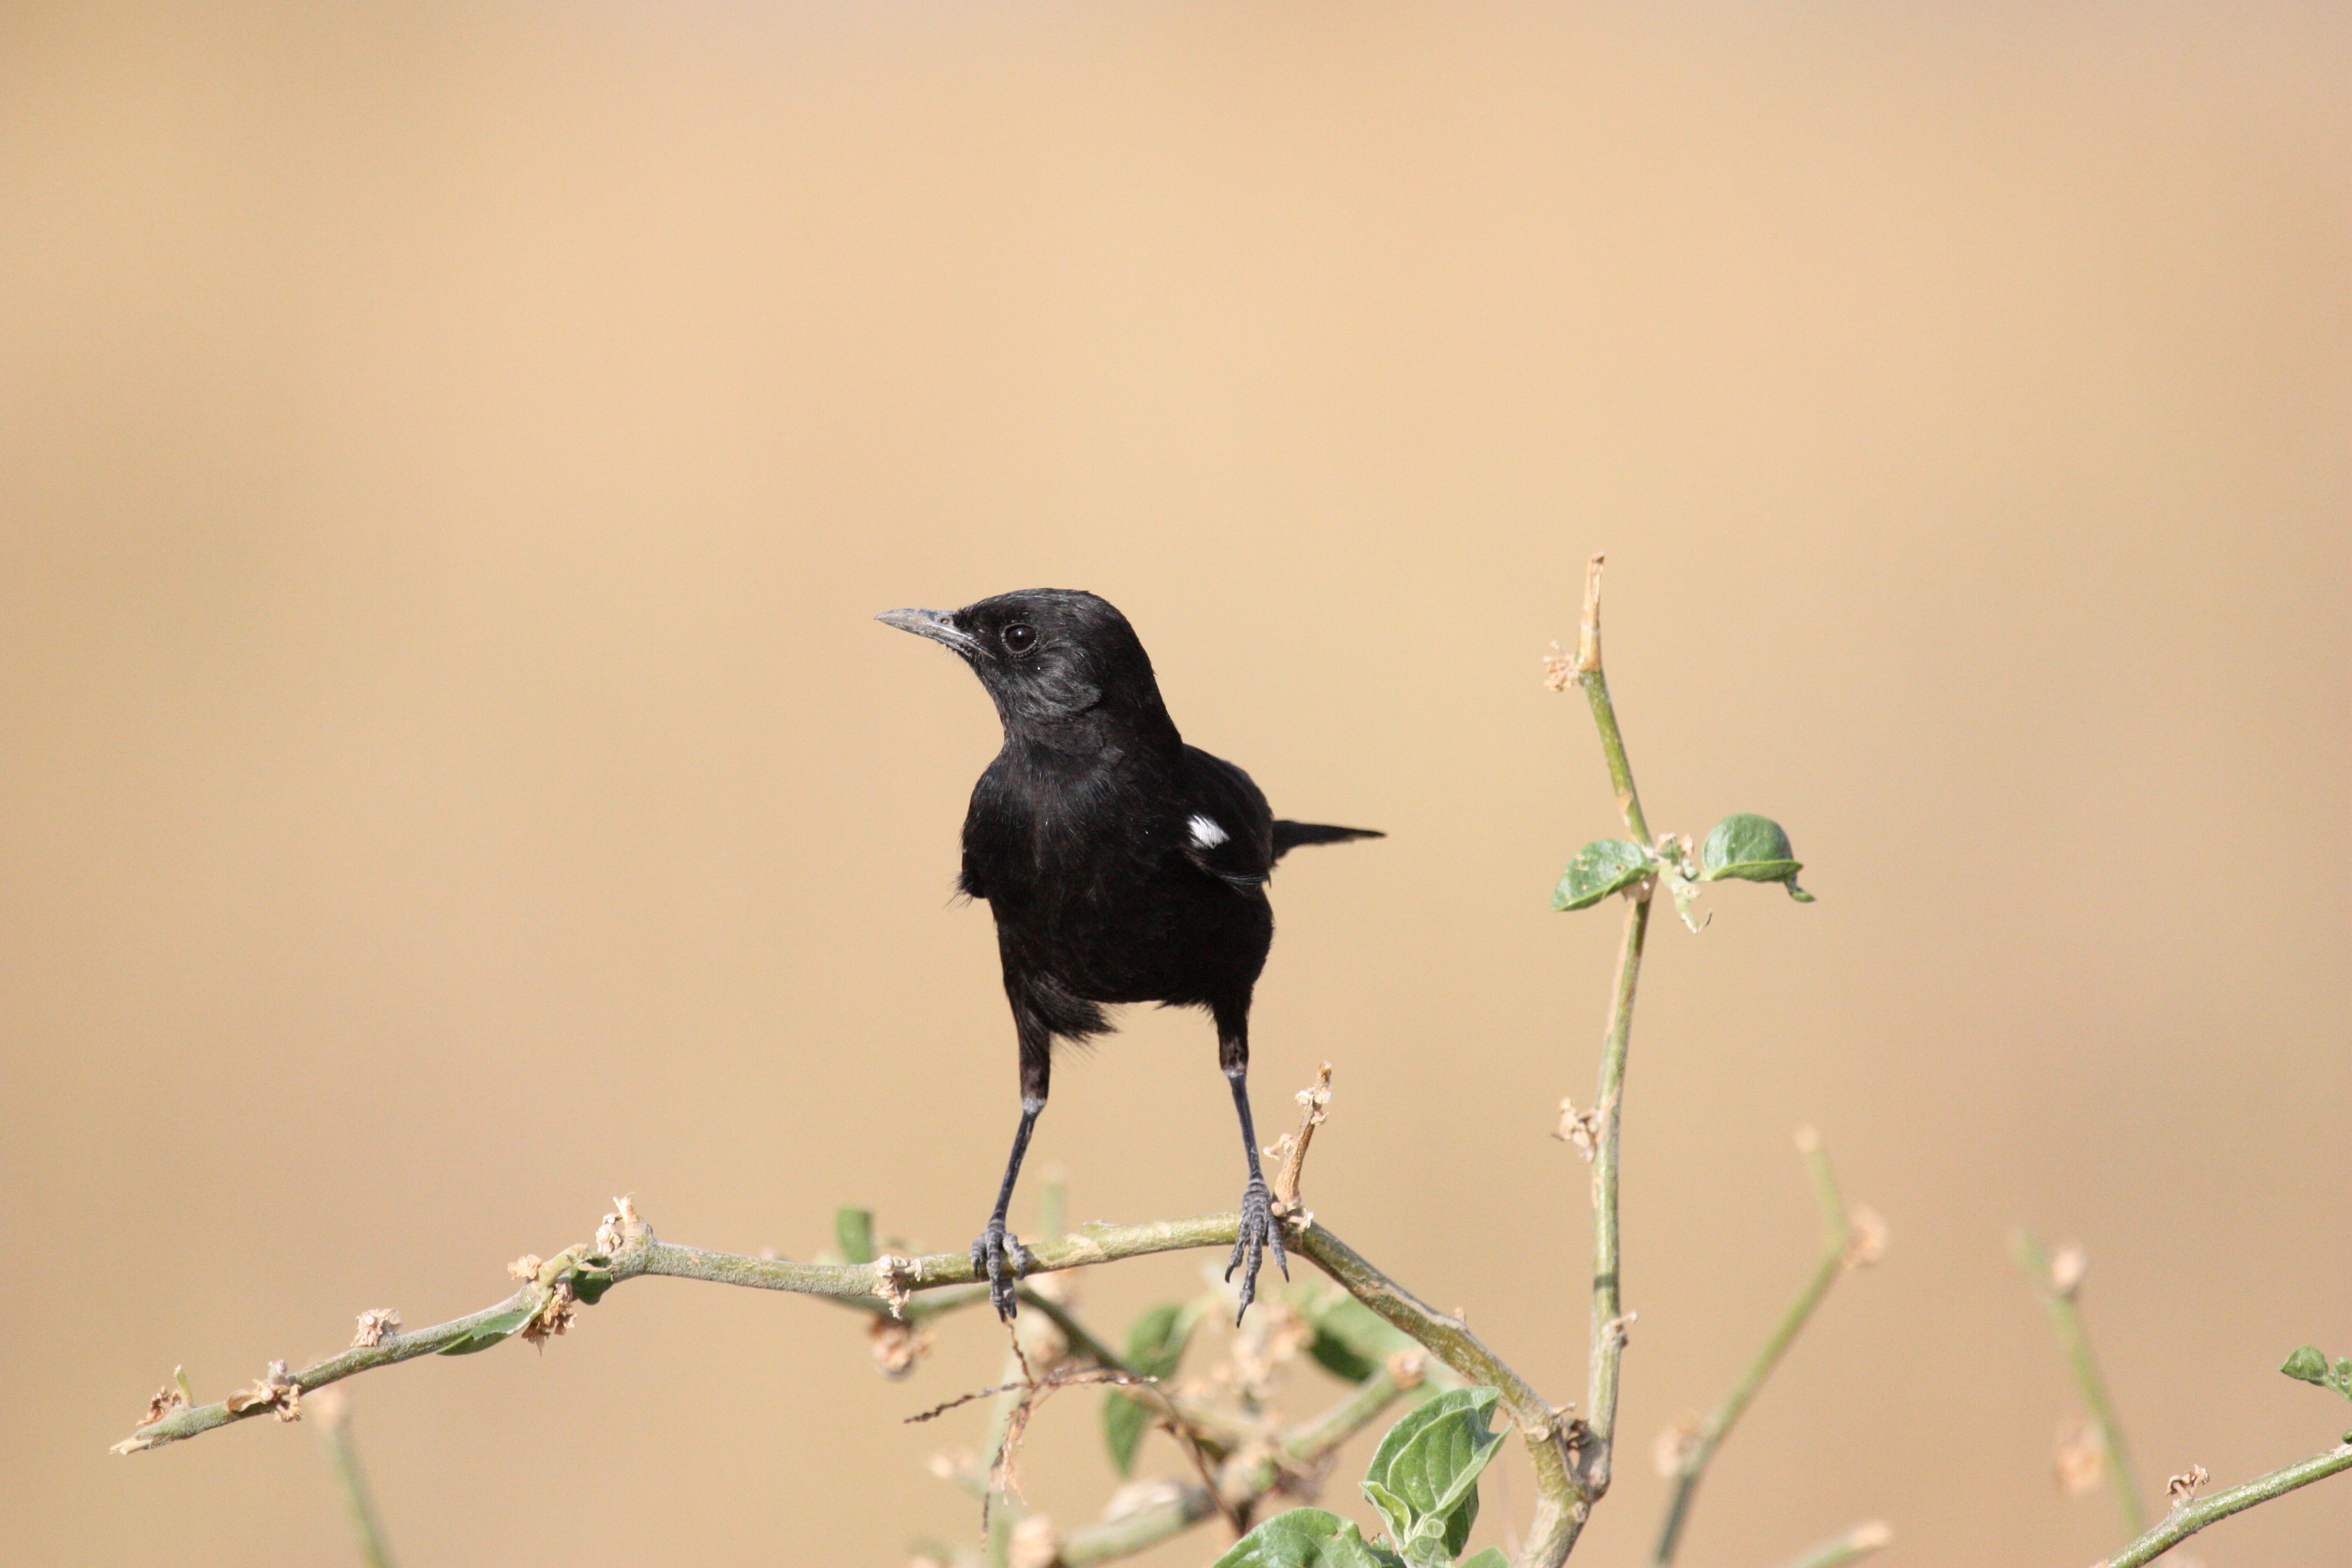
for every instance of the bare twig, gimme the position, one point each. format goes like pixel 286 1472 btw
pixel 1290 1153
pixel 1847 1546
pixel 2057 1285
pixel 2188 1518
pixel 1836 1255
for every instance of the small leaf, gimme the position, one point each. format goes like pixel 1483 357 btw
pixel 1304 1538
pixel 1352 1340
pixel 589 1285
pixel 1392 1508
pixel 2307 1365
pixel 853 1232
pixel 1125 1421
pixel 1430 1461
pixel 1491 1558
pixel 490 1330
pixel 1753 849
pixel 1155 1346
pixel 1601 868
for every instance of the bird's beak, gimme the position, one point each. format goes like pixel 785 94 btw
pixel 933 624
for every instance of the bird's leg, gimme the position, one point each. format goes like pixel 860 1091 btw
pixel 998 1254
pixel 1258 1233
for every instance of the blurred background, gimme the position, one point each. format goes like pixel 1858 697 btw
pixel 449 458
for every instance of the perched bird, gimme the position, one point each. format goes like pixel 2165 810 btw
pixel 1121 864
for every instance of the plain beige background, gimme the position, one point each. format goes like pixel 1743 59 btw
pixel 448 456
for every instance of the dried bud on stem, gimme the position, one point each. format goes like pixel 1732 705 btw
pixel 273 1390
pixel 375 1325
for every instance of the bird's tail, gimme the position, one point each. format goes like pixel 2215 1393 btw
pixel 1289 836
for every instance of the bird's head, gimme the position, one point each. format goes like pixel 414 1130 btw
pixel 1054 659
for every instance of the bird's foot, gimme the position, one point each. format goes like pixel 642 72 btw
pixel 1260 1232
pixel 999 1256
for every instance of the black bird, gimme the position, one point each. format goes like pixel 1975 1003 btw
pixel 1121 863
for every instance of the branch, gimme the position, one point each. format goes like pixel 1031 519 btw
pixel 877 1286
pixel 1559 1509
pixel 1590 1480
pixel 1839 1250
pixel 2188 1518
pixel 2058 1295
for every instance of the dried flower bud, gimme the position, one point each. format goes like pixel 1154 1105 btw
pixel 2078 1459
pixel 898 1345
pixel 2066 1271
pixel 377 1322
pixel 1866 1236
pixel 526 1268
pixel 2182 1488
pixel 1035 1543
pixel 275 1390
pixel 553 1317
pixel 1580 1128
pixel 1560 669
pixel 1675 1445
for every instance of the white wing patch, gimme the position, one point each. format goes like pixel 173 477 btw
pixel 1206 833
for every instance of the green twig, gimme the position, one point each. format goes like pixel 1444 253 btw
pixel 1847 1546
pixel 640 1254
pixel 1609 1321
pixel 2066 1316
pixel 1559 1510
pixel 334 1426
pixel 2189 1518
pixel 1831 1262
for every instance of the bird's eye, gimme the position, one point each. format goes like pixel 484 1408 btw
pixel 1019 639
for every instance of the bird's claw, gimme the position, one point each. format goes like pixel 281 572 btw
pixel 1259 1232
pixel 1000 1256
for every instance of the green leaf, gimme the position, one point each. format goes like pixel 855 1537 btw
pixel 1125 1421
pixel 2307 1365
pixel 1392 1508
pixel 1491 1558
pixel 1753 849
pixel 1428 1466
pixel 1304 1537
pixel 853 1232
pixel 490 1330
pixel 1601 868
pixel 1155 1346
pixel 1352 1340
pixel 589 1285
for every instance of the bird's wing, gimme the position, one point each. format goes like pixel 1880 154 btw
pixel 1226 826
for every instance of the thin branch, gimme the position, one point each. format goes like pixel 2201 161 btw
pixel 1848 1546
pixel 1559 1509
pixel 872 1285
pixel 2067 1316
pixel 334 1426
pixel 1595 682
pixel 1835 1257
pixel 1590 1479
pixel 1111 1539
pixel 2189 1518
pixel 1309 1440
